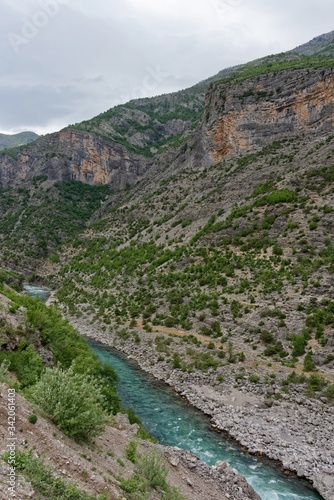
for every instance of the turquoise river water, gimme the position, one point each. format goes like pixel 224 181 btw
pixel 175 423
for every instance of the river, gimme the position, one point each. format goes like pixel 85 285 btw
pixel 175 423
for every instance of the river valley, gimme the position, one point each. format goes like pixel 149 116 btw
pixel 175 423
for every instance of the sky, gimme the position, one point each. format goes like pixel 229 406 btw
pixel 64 61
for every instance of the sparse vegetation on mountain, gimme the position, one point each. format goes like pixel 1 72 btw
pixel 197 233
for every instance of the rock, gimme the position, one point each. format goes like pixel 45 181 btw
pixel 221 466
pixel 324 483
pixel 122 421
pixel 174 461
pixel 80 156
pixel 250 122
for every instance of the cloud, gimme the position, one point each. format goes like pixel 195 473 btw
pixel 79 58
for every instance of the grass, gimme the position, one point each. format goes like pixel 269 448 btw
pixel 45 482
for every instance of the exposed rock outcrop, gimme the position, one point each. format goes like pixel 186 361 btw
pixel 74 155
pixel 254 113
pixel 238 118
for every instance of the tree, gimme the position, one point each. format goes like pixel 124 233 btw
pixel 74 402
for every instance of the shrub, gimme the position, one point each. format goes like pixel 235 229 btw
pixel 329 392
pixel 4 371
pixel 32 419
pixel 309 364
pixel 170 322
pixel 172 493
pixel 315 384
pixel 131 451
pixel 73 401
pixel 267 337
pixel 135 484
pixel 153 467
pixel 281 196
pixel 277 250
pixel 176 361
pixel 133 419
pixel 299 343
pixel 27 365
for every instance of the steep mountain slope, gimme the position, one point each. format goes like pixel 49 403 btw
pixel 10 141
pixel 49 463
pixel 40 214
pixel 220 244
pixel 244 110
pixel 215 271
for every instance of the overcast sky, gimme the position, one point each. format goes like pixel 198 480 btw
pixel 63 61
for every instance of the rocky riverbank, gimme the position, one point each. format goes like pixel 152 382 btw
pixel 293 429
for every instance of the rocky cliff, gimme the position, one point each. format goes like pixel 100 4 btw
pixel 254 113
pixel 73 155
pixel 239 117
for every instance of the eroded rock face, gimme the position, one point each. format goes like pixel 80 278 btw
pixel 74 155
pixel 254 113
pixel 238 118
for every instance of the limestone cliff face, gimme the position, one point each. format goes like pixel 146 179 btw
pixel 252 114
pixel 74 155
pixel 238 118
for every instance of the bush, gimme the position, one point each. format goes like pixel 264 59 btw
pixel 172 493
pixel 32 419
pixel 267 337
pixel 281 196
pixel 73 401
pixel 4 371
pixel 299 343
pixel 177 362
pixel 135 484
pixel 131 451
pixel 329 393
pixel 154 468
pixel 315 384
pixel 27 365
pixel 277 250
pixel 151 472
pixel 133 419
pixel 309 364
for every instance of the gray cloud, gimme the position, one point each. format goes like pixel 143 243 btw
pixel 63 61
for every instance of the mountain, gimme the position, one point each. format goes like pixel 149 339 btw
pixel 248 109
pixel 16 140
pixel 323 44
pixel 117 147
pixel 194 232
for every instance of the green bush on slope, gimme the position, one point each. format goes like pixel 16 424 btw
pixel 73 401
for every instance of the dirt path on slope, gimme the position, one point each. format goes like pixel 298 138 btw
pixel 252 360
